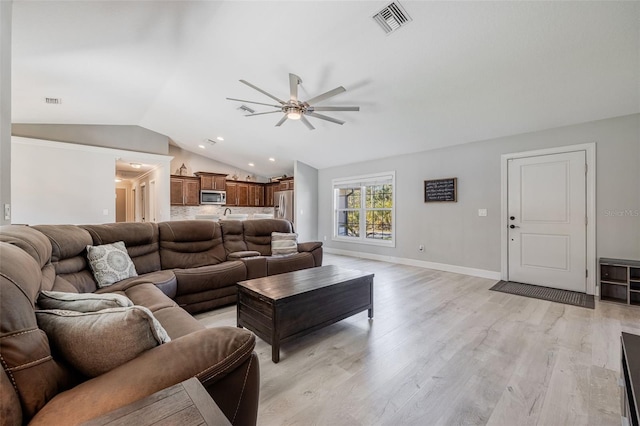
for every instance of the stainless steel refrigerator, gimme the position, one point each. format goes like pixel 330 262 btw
pixel 283 205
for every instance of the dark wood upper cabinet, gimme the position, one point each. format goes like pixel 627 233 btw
pixel 184 191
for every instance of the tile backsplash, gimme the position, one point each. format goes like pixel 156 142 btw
pixel 190 212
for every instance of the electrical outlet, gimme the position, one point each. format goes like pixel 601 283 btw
pixel 105 212
pixel 325 238
pixel 482 212
pixel 7 212
pixel 420 248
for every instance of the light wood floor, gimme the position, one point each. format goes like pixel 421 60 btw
pixel 444 350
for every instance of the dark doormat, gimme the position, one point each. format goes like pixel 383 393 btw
pixel 545 293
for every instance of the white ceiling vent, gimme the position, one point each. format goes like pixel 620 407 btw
pixel 53 101
pixel 392 17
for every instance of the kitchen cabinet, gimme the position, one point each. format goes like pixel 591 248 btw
pixel 185 190
pixel 256 195
pixel 269 189
pixel 286 184
pixel 237 193
pixel 212 181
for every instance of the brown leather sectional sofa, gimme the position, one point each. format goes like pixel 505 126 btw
pixel 183 267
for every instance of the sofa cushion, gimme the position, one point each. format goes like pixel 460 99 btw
pixel 257 233
pixel 140 238
pixel 110 263
pixel 190 244
pixel 68 255
pixel 284 243
pixel 195 280
pixel 164 280
pixel 96 342
pixel 24 349
pixel 81 302
pixel 233 236
pixel 281 264
pixel 35 243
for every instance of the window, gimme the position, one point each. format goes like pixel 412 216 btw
pixel 364 209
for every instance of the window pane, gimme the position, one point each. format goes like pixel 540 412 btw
pixel 349 198
pixel 349 223
pixel 379 196
pixel 378 224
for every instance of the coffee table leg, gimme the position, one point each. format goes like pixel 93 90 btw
pixel 371 313
pixel 275 351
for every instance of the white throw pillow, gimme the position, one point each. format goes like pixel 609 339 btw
pixel 96 342
pixel 110 263
pixel 82 302
pixel 284 243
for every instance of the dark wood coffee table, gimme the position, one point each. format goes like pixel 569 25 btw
pixel 282 307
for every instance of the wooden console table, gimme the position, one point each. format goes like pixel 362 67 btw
pixel 630 378
pixel 184 404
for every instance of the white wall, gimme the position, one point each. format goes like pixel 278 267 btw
pixel 56 183
pixel 305 201
pixel 5 107
pixel 157 178
pixel 453 234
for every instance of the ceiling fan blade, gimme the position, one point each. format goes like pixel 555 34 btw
pixel 262 91
pixel 324 117
pixel 306 122
pixel 282 120
pixel 325 95
pixel 262 113
pixel 335 108
pixel 294 80
pixel 252 102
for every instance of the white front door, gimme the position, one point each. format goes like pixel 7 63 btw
pixel 547 220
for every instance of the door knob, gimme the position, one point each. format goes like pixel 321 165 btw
pixel 513 226
pixel 512 218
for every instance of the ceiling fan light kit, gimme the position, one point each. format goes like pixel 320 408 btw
pixel 294 109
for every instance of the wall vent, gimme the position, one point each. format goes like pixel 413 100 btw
pixel 245 108
pixel 53 101
pixel 392 17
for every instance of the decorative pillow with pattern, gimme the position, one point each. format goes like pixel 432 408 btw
pixel 284 243
pixel 81 302
pixel 110 263
pixel 96 342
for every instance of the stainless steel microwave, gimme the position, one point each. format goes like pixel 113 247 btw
pixel 213 197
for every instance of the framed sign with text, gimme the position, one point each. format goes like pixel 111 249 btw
pixel 441 190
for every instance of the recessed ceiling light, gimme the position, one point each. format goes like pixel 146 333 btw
pixel 201 146
pixel 251 164
pixel 135 165
pixel 272 159
pixel 220 138
pixel 118 180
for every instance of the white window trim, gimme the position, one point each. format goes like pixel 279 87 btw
pixel 362 239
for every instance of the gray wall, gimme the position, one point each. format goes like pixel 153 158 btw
pixel 130 138
pixel 305 201
pixel 5 107
pixel 454 234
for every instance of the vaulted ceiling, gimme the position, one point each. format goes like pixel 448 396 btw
pixel 458 72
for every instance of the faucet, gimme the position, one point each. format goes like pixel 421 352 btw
pixel 225 211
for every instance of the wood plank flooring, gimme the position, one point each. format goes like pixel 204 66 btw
pixel 444 350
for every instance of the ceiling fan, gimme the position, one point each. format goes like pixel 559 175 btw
pixel 295 109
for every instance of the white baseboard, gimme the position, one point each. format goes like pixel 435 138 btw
pixel 482 273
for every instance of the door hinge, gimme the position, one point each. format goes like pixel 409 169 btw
pixel 586 220
pixel 587 273
pixel 586 168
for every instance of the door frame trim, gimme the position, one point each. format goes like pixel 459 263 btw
pixel 590 157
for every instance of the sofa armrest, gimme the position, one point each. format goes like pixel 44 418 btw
pixel 211 355
pixel 309 246
pixel 239 255
pixel 313 247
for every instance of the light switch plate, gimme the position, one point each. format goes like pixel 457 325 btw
pixel 7 212
pixel 482 212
